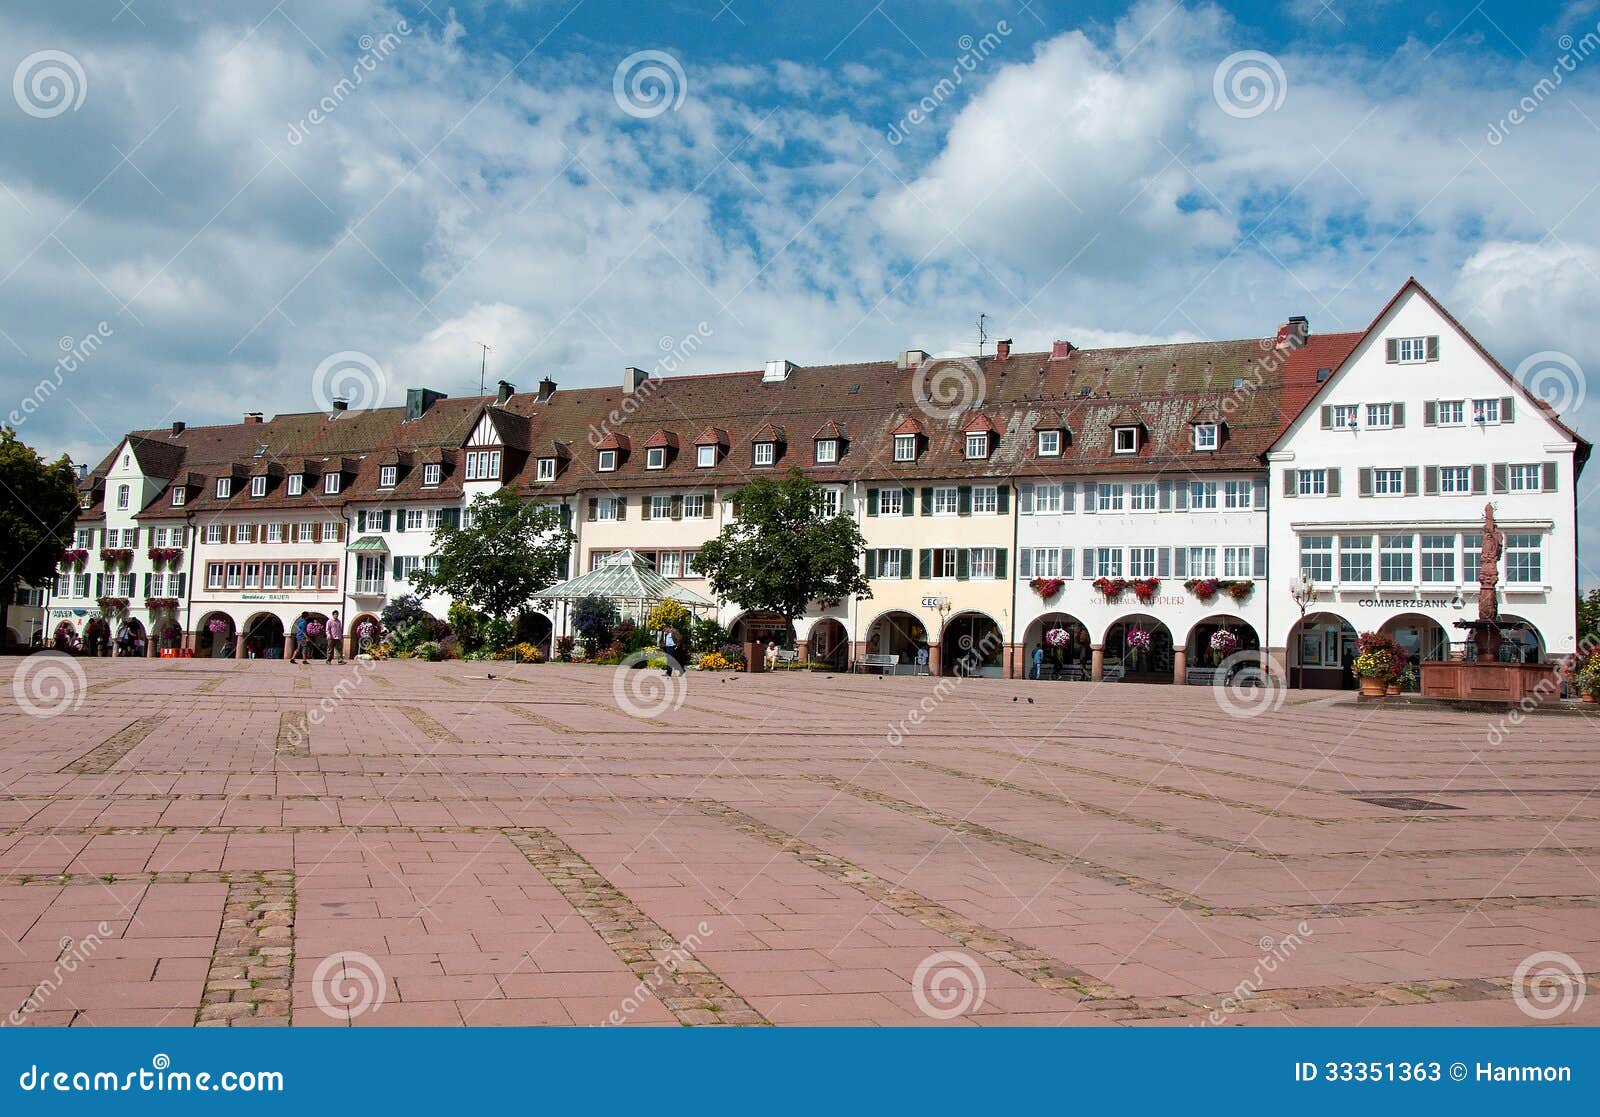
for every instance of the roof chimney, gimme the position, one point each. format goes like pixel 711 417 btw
pixel 504 391
pixel 1002 350
pixel 547 388
pixel 632 378
pixel 419 400
pixel 777 372
pixel 911 358
pixel 252 416
pixel 1060 350
pixel 1293 333
pixel 341 404
pixel 178 428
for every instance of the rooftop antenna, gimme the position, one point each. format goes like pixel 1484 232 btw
pixel 483 367
pixel 983 335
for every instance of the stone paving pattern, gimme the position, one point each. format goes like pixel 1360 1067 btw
pixel 222 843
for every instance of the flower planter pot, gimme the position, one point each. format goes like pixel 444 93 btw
pixel 1392 688
pixel 1373 687
pixel 1588 698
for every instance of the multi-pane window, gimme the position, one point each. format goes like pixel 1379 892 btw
pixel 694 505
pixel 1205 436
pixel 1236 562
pixel 1525 478
pixel 889 563
pixel 252 575
pixel 330 530
pixel 946 501
pixel 274 533
pixel 1389 482
pixel 985 500
pixel 1126 440
pixel 766 453
pixel 1523 558
pixel 688 564
pixel 1346 414
pixel 484 465
pixel 1202 562
pixel 945 563
pixel 1047 499
pixel 1142 496
pixel 214 576
pixel 1380 415
pixel 1411 349
pixel 660 507
pixel 668 564
pixel 124 494
pixel 330 483
pixel 1486 411
pixel 1455 479
pixel 1312 482
pixel 831 500
pixel 889 502
pixel 1450 412
pixel 180 496
pixel 269 575
pixel 258 485
pixel 981 562
pixel 1438 558
pixel 431 473
pixel 330 575
pixel 655 457
pixel 1355 558
pixel 1238 494
pixel 705 457
pixel 1108 562
pixel 1202 494
pixel 1049 444
pixel 291 575
pixel 1471 553
pixel 1110 497
pixel 224 488
pixel 306 532
pixel 977 444
pixel 84 538
pixel 213 533
pixel 296 484
pixel 1395 559
pixel 414 519
pixel 905 447
pixel 1141 562
pixel 1316 557
pixel 387 475
pixel 606 508
pixel 605 463
pixel 827 451
pixel 1046 562
pixel 235 575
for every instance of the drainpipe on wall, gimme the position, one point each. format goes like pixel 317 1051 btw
pixel 193 534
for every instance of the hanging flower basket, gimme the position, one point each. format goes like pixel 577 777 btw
pixel 219 626
pixel 116 556
pixel 112 606
pixel 314 629
pixel 1047 587
pixel 159 555
pixel 1058 637
pixel 1224 642
pixel 1145 589
pixel 1138 638
pixel 74 556
pixel 1203 588
pixel 1112 588
pixel 1241 589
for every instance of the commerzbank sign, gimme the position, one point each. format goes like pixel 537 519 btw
pixel 1456 602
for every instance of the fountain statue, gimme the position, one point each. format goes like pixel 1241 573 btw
pixel 1486 633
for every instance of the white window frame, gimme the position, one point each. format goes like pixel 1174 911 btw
pixel 1047 499
pixel 1455 480
pixel 1524 562
pixel 1143 496
pixel 1457 419
pixel 258 485
pixel 1202 496
pixel 1206 436
pixel 606 462
pixel 668 563
pixel 1411 350
pixel 705 456
pixel 274 533
pixel 694 506
pixel 977 448
pixel 1108 496
pixel 547 469
pixel 605 509
pixel 387 476
pixel 905 447
pixel 655 457
pixel 660 506
pixel 124 495
pixel 888 497
pixel 1316 557
pixel 330 483
pixel 946 500
pixel 827 451
pixel 214 534
pixel 432 472
pixel 1346 416
pixel 1402 555
pixel 1311 482
pixel 1445 554
pixel 1388 481
pixel 981 563
pixel 1238 496
pixel 224 488
pixel 1049 444
pixel 1524 478
pixel 764 453
pixel 1380 416
pixel 1125 440
pixel 888 564
pixel 296 484
pixel 180 496
pixel 1486 412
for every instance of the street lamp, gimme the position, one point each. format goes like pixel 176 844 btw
pixel 1304 592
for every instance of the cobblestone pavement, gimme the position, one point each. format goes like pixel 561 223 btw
pixel 217 843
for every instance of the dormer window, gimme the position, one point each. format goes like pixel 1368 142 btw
pixel 387 476
pixel 1049 444
pixel 483 465
pixel 905 447
pixel 977 445
pixel 179 496
pixel 330 484
pixel 1126 440
pixel 705 456
pixel 547 469
pixel 431 473
pixel 655 457
pixel 297 484
pixel 765 453
pixel 224 488
pixel 607 462
pixel 258 486
pixel 827 451
pixel 1205 436
pixel 88 499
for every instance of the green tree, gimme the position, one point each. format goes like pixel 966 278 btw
pixel 784 551
pixel 511 550
pixel 1589 619
pixel 38 512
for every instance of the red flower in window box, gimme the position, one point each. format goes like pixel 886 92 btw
pixel 1145 589
pixel 1047 587
pixel 159 555
pixel 74 556
pixel 1203 588
pixel 1241 589
pixel 160 604
pixel 112 606
pixel 1112 588
pixel 116 556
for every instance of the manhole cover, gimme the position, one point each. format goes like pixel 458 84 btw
pixel 1406 803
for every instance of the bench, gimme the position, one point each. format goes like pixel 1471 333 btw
pixel 786 657
pixel 882 662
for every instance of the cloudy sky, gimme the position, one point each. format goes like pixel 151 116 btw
pixel 236 194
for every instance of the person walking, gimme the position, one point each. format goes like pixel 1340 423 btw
pixel 335 634
pixel 669 645
pixel 299 653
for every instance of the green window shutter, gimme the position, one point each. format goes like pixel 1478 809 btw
pixel 905 564
pixel 1000 564
pixel 1479 480
pixel 182 580
pixel 1327 417
pixel 622 508
pixel 872 502
pixel 147 585
pixel 1397 415
pixel 1411 480
pixel 1430 480
pixel 1333 479
pixel 677 507
pixel 397 568
pixel 1003 500
pixel 1549 477
pixel 1391 350
pixel 399 519
pixel 908 502
pixel 1364 482
pixel 1433 347
pixel 924 564
pixel 963 565
pixel 1499 472
pixel 1507 409
pixel 1025 562
pixel 870 567
pixel 644 507
pixel 927 501
pixel 1291 483
pixel 964 500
